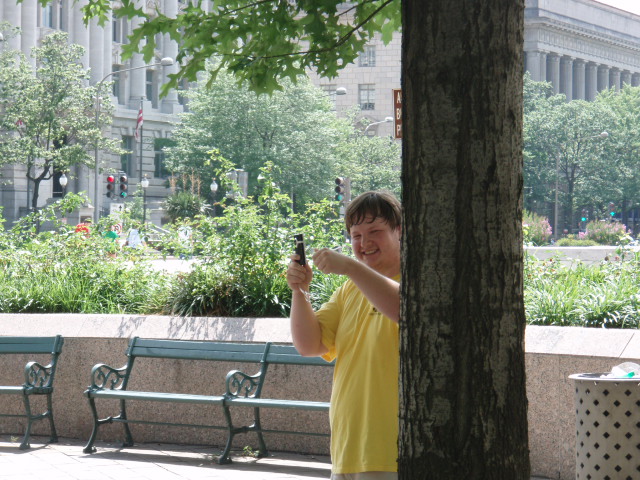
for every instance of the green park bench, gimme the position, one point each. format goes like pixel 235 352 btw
pixel 242 389
pixel 38 378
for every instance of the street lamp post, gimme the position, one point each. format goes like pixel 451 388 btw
pixel 214 188
pixel 63 183
pixel 165 62
pixel 144 183
pixel 386 120
pixel 602 135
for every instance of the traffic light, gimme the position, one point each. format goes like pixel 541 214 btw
pixel 585 215
pixel 343 189
pixel 124 185
pixel 111 185
pixel 340 189
pixel 612 209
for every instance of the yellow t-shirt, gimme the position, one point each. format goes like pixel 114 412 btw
pixel 364 399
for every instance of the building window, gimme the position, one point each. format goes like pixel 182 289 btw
pixel 120 30
pixel 151 88
pixel 160 169
pixel 367 96
pixel 368 57
pixel 126 159
pixel 46 19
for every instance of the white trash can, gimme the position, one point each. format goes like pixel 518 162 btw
pixel 607 427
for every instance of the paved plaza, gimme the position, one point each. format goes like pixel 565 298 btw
pixel 152 461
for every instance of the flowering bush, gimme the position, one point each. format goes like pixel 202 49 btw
pixel 608 233
pixel 535 229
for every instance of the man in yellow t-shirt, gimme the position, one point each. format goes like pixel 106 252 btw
pixel 358 327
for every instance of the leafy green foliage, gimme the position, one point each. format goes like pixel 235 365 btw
pixel 591 296
pixel 294 130
pixel 185 205
pixel 246 252
pixel 62 271
pixel 536 229
pixel 607 233
pixel 48 115
pixel 260 42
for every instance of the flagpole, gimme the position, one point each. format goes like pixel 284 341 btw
pixel 141 124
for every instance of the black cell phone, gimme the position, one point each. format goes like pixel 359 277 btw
pixel 300 248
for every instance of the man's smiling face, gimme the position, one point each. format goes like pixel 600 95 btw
pixel 377 245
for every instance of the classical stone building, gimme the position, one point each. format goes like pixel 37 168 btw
pixel 103 49
pixel 580 46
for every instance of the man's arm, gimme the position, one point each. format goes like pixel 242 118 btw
pixel 381 291
pixel 305 328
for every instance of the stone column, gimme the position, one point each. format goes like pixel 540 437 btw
pixel 170 49
pixel 29 36
pixel 591 82
pixel 137 77
pixel 543 66
pixel 566 77
pixel 614 78
pixel 553 71
pixel 603 77
pixel 579 79
pixel 107 49
pixel 532 65
pixel 78 32
pixel 13 14
pixel 625 78
pixel 96 55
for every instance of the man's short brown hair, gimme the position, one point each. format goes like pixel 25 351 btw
pixel 375 204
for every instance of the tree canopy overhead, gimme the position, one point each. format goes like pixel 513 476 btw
pixel 259 41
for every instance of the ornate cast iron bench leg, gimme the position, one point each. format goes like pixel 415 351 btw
pixel 257 426
pixel 52 425
pixel 89 448
pixel 128 438
pixel 27 434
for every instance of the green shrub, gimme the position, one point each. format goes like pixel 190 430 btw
pixel 572 241
pixel 535 229
pixel 246 252
pixel 607 233
pixel 185 205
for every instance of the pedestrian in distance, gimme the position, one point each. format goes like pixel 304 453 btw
pixel 358 327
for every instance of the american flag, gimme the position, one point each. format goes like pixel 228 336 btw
pixel 139 123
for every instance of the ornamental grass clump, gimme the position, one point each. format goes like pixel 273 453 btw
pixel 605 295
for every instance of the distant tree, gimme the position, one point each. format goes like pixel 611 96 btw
pixel 616 176
pixel 563 143
pixel 48 116
pixel 294 129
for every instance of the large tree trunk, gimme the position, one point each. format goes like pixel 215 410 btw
pixel 463 408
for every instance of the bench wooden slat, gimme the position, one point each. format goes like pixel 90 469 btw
pixel 192 350
pixel 158 396
pixel 277 403
pixel 12 390
pixel 17 345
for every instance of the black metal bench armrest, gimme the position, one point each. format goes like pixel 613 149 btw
pixel 239 384
pixel 105 377
pixel 38 377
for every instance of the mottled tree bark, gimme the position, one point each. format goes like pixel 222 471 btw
pixel 463 409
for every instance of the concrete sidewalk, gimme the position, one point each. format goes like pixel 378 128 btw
pixel 65 460
pixel 151 461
